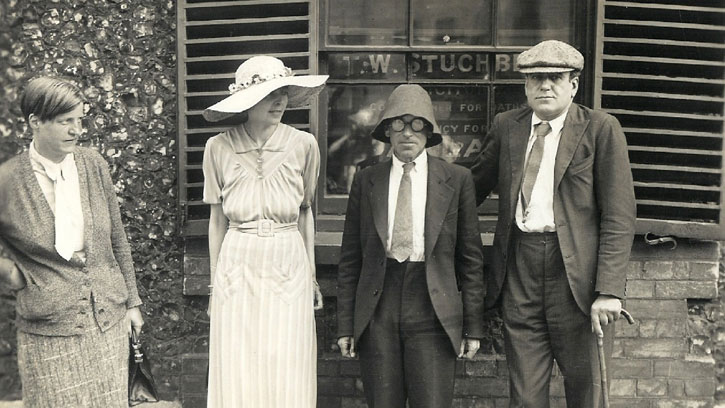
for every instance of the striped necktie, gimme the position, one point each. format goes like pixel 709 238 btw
pixel 533 163
pixel 401 246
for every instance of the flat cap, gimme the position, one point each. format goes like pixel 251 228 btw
pixel 550 56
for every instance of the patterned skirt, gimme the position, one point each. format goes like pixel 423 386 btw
pixel 89 370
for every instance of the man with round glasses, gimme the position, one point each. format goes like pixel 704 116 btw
pixel 410 277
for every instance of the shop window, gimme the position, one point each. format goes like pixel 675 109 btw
pixel 451 22
pixel 535 21
pixel 462 53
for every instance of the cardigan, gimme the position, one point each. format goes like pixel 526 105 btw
pixel 59 293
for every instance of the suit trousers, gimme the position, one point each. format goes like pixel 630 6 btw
pixel 543 323
pixel 405 354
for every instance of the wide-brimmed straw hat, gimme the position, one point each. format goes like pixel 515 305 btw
pixel 408 99
pixel 256 78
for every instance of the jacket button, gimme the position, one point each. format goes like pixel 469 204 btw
pixel 375 292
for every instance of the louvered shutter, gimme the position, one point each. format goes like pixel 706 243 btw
pixel 214 37
pixel 660 69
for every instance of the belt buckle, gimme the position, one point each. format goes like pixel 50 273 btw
pixel 265 228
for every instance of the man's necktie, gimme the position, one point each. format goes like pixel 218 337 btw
pixel 401 245
pixel 533 162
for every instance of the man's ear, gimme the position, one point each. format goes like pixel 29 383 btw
pixel 33 121
pixel 575 86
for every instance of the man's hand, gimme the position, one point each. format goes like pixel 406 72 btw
pixel 469 347
pixel 318 304
pixel 347 346
pixel 134 321
pixel 605 310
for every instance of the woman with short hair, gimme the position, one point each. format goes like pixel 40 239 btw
pixel 63 250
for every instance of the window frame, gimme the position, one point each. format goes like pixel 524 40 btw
pixel 331 208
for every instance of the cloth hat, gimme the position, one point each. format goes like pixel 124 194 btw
pixel 256 78
pixel 408 99
pixel 550 56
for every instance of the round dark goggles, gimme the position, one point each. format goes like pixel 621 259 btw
pixel 398 124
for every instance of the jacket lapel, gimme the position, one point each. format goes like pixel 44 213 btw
pixel 571 135
pixel 378 196
pixel 438 200
pixel 31 181
pixel 519 138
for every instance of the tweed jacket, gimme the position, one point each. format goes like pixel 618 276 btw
pixel 59 293
pixel 594 205
pixel 453 250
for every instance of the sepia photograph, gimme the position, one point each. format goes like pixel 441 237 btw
pixel 362 203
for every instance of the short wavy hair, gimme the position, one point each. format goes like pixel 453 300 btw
pixel 47 97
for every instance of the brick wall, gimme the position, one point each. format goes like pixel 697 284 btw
pixel 665 360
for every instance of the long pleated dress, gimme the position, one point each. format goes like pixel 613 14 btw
pixel 262 348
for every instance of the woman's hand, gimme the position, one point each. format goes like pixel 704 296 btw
pixel 134 321
pixel 10 275
pixel 318 304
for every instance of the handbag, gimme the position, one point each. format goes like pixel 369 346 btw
pixel 141 386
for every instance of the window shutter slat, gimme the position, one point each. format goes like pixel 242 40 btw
pixel 660 69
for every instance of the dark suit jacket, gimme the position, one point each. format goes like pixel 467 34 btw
pixel 453 250
pixel 594 206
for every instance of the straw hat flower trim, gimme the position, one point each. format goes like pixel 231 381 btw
pixel 259 78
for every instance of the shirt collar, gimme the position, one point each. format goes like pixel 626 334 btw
pixel 556 124
pixel 243 143
pixel 52 169
pixel 421 162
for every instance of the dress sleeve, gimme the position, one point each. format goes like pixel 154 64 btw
pixel 311 172
pixel 212 175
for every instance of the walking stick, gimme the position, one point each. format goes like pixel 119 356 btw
pixel 603 363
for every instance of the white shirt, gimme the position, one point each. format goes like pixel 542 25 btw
pixel 46 172
pixel 418 194
pixel 539 216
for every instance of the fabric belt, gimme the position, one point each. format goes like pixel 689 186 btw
pixel 263 228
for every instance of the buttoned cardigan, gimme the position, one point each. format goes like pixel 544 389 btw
pixel 60 293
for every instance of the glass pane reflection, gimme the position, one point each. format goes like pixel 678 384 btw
pixel 527 22
pixel 458 22
pixel 462 115
pixel 461 112
pixel 352 114
pixel 367 22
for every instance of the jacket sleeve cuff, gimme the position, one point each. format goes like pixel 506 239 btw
pixel 133 301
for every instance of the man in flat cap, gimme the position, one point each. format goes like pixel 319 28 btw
pixel 565 227
pixel 410 277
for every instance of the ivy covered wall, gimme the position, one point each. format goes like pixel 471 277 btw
pixel 122 53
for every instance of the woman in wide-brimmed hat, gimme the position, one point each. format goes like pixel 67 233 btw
pixel 260 179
